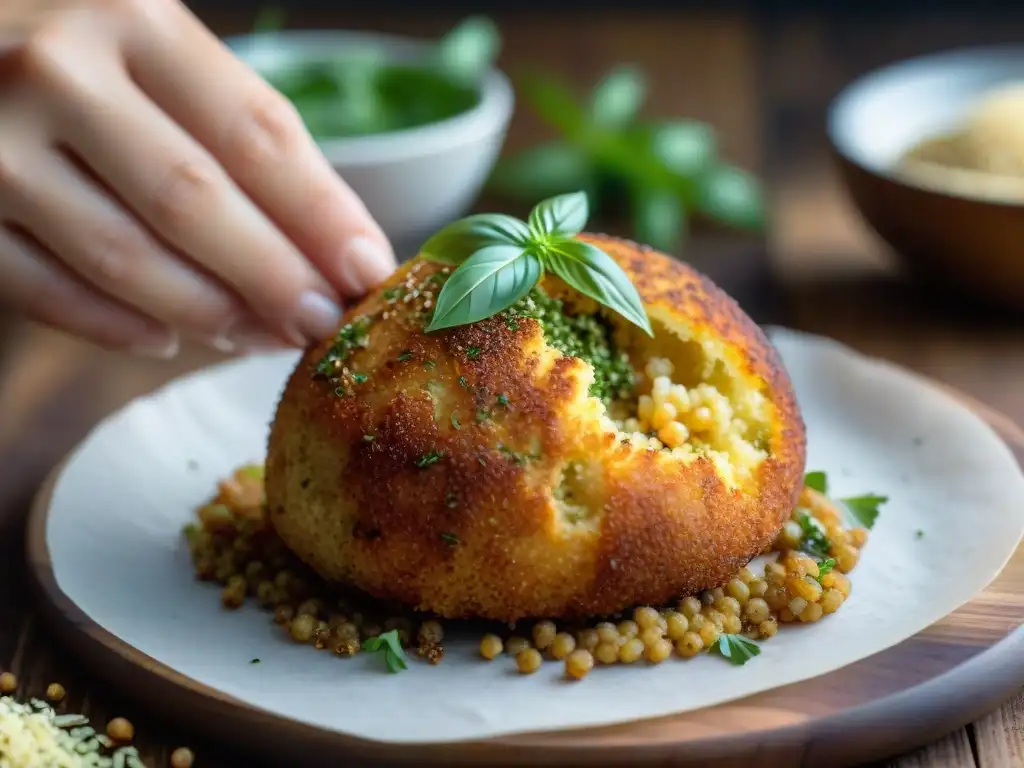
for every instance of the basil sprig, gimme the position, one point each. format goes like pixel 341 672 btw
pixel 501 258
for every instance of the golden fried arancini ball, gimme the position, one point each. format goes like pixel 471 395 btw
pixel 552 460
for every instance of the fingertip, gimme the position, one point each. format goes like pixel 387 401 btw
pixel 365 262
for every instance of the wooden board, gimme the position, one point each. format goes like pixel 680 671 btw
pixel 944 677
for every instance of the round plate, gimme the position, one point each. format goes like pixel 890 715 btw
pixel 941 678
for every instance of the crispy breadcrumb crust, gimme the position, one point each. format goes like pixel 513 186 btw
pixel 476 531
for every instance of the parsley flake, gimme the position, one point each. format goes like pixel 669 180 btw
pixel 814 541
pixel 430 364
pixel 254 661
pixel 405 357
pixel 450 539
pixel 825 567
pixel 455 421
pixel 369 438
pixel 393 293
pixel 339 391
pixel 473 353
pixel 817 481
pixel 502 399
pixel 429 458
pixel 463 382
pixel 737 648
pixel 919 534
pixel 864 509
pixel 394 654
pixel 359 378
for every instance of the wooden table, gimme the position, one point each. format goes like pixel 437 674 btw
pixel 764 82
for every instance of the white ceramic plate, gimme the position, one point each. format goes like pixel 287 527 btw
pixel 119 505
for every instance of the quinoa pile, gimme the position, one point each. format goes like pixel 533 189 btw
pixel 232 544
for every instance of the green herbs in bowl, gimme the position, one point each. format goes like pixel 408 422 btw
pixel 362 90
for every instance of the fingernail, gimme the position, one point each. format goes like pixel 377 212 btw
pixel 245 336
pixel 365 263
pixel 318 317
pixel 160 349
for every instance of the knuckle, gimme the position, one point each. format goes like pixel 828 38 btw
pixel 268 129
pixel 113 253
pixel 188 191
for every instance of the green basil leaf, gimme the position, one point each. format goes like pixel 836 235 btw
pixel 617 98
pixel 564 215
pixel 817 481
pixel 469 50
pixel 554 103
pixel 461 239
pixel 685 147
pixel 732 197
pixel 542 171
pixel 492 279
pixel 593 272
pixel 658 218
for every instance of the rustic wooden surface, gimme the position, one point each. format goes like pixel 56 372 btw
pixel 764 83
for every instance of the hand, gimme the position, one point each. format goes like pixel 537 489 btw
pixel 152 186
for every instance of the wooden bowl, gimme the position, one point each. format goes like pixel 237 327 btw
pixel 967 241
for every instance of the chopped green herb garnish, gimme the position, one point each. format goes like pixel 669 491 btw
pixel 254 661
pixel 502 399
pixel 518 458
pixel 481 416
pixel 339 391
pixel 394 293
pixel 482 461
pixel 919 534
pixel 473 353
pixel 455 422
pixel 405 357
pixel 587 337
pixel 451 500
pixel 428 459
pixel 463 382
pixel 389 643
pixel 814 541
pixel 430 364
pixel 818 481
pixel 865 508
pixel 737 648
pixel 353 336
pixel 825 567
pixel 359 378
pixel 450 539
pixel 369 438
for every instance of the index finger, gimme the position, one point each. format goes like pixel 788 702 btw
pixel 260 140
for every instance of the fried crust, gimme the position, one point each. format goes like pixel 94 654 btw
pixel 433 484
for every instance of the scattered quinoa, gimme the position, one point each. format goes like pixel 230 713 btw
pixel 120 729
pixel 805 580
pixel 55 692
pixel 182 757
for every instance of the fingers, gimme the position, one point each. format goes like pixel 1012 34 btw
pixel 257 136
pixel 96 238
pixel 176 188
pixel 33 283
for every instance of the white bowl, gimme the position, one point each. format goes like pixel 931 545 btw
pixel 414 180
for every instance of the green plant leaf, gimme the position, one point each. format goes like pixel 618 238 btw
pixel 865 508
pixel 737 648
pixel 492 279
pixel 269 19
pixel 542 171
pixel 554 103
pixel 616 100
pixel 469 49
pixel 658 218
pixel 817 481
pixel 461 239
pixel 731 196
pixel 594 273
pixel 685 147
pixel 563 215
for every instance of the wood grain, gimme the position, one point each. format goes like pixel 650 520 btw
pixel 920 689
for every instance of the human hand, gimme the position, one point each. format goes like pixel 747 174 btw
pixel 152 187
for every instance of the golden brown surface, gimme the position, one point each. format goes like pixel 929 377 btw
pixel 480 532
